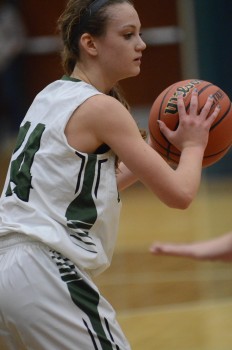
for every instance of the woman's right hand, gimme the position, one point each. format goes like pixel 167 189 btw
pixel 193 128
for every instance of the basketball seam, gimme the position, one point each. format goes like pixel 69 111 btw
pixel 221 119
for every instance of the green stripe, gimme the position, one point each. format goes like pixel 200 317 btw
pixel 87 299
pixel 82 212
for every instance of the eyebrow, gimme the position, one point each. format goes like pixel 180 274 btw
pixel 130 26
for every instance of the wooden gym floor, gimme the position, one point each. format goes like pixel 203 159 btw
pixel 170 303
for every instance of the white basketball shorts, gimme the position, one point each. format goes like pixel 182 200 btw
pixel 47 303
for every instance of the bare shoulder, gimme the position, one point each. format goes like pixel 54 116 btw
pixel 101 119
pixel 106 115
pixel 98 110
pixel 103 104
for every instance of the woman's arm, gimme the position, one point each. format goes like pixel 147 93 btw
pixel 125 177
pixel 103 120
pixel 219 248
pixel 176 188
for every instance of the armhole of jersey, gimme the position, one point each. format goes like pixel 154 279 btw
pixel 102 149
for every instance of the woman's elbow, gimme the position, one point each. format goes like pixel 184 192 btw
pixel 180 201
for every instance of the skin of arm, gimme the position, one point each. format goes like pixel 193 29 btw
pixel 125 177
pixel 219 248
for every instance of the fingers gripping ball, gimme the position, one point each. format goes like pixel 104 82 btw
pixel 165 108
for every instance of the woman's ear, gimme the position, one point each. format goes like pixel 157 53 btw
pixel 88 44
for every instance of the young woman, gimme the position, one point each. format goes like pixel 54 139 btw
pixel 77 147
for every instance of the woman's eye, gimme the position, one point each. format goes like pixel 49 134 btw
pixel 128 35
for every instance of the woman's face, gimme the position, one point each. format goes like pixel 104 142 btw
pixel 120 49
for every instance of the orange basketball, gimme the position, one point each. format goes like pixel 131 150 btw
pixel 165 108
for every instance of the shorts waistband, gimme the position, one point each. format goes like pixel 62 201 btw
pixel 14 238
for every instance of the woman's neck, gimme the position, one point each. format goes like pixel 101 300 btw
pixel 92 78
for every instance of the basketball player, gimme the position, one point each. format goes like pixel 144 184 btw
pixel 60 205
pixel 219 248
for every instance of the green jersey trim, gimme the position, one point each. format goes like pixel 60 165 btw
pixel 66 77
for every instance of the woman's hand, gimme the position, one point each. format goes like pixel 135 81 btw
pixel 193 129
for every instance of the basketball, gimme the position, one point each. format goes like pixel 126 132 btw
pixel 165 108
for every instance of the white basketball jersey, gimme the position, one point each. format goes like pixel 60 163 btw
pixel 56 194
